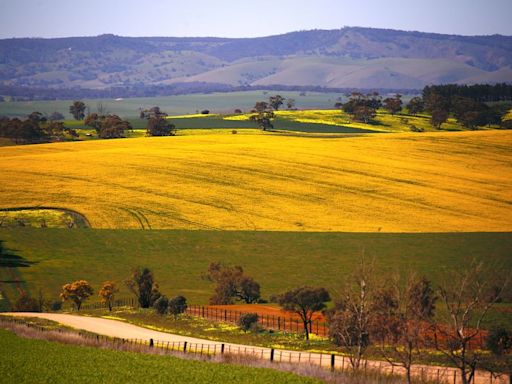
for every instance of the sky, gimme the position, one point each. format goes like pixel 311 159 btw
pixel 241 18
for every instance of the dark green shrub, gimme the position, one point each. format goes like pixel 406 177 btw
pixel 247 321
pixel 56 305
pixel 177 305
pixel 499 341
pixel 161 305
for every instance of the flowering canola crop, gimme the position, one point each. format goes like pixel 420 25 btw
pixel 407 182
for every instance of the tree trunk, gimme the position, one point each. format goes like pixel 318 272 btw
pixel 408 375
pixel 306 330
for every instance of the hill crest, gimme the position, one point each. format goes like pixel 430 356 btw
pixel 348 57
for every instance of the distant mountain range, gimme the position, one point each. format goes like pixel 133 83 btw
pixel 350 57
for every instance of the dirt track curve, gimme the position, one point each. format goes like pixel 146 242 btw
pixel 120 329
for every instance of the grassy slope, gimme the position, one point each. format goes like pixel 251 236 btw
pixel 129 108
pixel 278 260
pixel 36 361
pixel 438 182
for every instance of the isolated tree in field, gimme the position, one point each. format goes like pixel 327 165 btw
pixel 304 301
pixel 350 319
pixel 393 104
pixel 232 284
pixel 142 284
pixel 77 110
pixel 467 295
pixel 77 291
pixel 416 105
pixel 177 305
pixel 263 115
pixel 290 103
pixel 276 101
pixel 107 293
pixel 159 126
pixel 401 318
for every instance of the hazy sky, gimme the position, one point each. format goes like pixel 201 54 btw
pixel 241 18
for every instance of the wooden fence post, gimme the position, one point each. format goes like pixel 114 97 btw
pixel 332 361
pixel 151 343
pixel 185 346
pixel 272 354
pixel 222 346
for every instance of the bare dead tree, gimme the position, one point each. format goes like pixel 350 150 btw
pixel 349 321
pixel 402 314
pixel 467 295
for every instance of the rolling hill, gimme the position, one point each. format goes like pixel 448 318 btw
pixel 433 182
pixel 348 57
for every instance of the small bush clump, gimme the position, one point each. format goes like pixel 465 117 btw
pixel 161 305
pixel 247 321
pixel 177 305
pixel 25 303
pixel 56 305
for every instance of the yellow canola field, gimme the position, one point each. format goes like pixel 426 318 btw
pixel 459 181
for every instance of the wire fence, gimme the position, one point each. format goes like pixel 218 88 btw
pixel 279 323
pixel 265 321
pixel 335 362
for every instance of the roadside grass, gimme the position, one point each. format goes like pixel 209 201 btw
pixel 29 329
pixel 30 361
pixel 178 258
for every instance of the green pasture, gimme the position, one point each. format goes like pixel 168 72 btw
pixel 37 361
pixel 173 105
pixel 278 260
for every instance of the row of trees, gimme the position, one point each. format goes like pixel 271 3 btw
pixel 34 129
pixel 141 283
pixel 397 316
pixel 477 92
pixel 469 112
